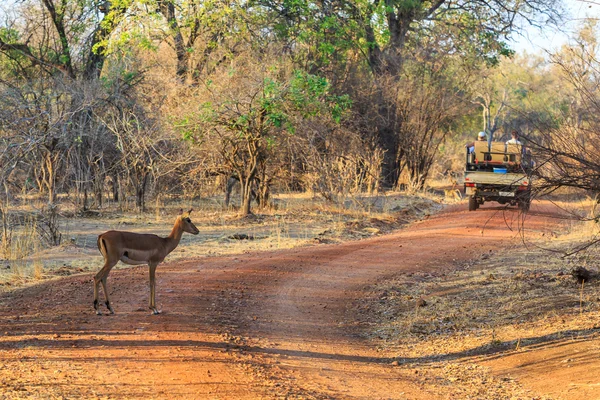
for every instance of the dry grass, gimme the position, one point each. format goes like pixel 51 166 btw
pixel 446 190
pixel 23 242
pixel 295 220
pixel 503 302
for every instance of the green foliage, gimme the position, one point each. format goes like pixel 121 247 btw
pixel 9 65
pixel 322 36
pixel 306 91
pixel 275 107
pixel 311 95
pixel 406 6
pixel 9 35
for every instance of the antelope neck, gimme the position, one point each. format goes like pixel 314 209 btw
pixel 174 237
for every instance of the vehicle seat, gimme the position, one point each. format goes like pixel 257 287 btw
pixel 480 149
pixel 514 153
pixel 497 152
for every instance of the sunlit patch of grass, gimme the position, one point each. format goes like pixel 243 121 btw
pixel 38 266
pixel 580 228
pixel 24 240
pixel 487 301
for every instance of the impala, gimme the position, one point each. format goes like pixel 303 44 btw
pixel 135 249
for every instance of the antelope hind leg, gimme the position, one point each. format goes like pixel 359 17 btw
pixel 96 284
pixel 98 279
pixel 110 309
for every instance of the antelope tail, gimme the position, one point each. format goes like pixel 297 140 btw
pixel 101 246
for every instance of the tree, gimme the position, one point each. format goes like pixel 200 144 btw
pixel 74 38
pixel 145 152
pixel 50 79
pixel 429 102
pixel 568 148
pixel 197 29
pixel 472 27
pixel 249 111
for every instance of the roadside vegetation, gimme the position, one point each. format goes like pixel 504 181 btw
pixel 294 220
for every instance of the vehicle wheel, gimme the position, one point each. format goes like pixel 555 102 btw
pixel 524 205
pixel 473 203
pixel 525 202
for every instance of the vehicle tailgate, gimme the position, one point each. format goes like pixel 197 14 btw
pixel 496 179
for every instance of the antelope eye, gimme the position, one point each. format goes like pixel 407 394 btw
pixel 188 220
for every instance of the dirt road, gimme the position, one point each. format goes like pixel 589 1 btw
pixel 263 325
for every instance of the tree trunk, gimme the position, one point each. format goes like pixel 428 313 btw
pixel 228 189
pixel 167 9
pixel 49 171
pixel 254 155
pixel 57 15
pixel 157 207
pixel 85 198
pixel 4 209
pixel 115 187
pixel 246 195
pixel 263 193
pixel 140 194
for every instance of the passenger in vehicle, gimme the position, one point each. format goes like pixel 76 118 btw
pixel 480 138
pixel 514 138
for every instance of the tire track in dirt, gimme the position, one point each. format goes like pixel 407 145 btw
pixel 303 324
pixel 260 325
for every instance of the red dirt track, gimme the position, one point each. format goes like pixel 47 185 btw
pixel 261 325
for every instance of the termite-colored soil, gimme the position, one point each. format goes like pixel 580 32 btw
pixel 270 325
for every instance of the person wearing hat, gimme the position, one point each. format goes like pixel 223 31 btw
pixel 480 138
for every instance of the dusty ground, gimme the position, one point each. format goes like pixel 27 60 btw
pixel 358 320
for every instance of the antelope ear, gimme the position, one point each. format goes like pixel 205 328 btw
pixel 180 211
pixel 189 212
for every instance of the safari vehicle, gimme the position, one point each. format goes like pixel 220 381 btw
pixel 499 172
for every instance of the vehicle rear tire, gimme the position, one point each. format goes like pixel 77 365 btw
pixel 525 202
pixel 473 203
pixel 524 205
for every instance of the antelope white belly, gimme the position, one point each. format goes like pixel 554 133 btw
pixel 136 257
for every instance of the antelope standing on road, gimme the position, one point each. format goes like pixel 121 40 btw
pixel 135 249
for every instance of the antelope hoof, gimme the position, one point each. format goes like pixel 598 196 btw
pixel 110 308
pixel 98 312
pixel 154 311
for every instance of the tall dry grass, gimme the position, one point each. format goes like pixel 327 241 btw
pixel 20 252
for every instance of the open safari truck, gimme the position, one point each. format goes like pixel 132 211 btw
pixel 499 172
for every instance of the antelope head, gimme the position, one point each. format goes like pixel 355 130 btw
pixel 186 223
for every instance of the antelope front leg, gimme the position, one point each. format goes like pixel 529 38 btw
pixel 152 288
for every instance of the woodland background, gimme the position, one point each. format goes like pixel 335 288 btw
pixel 129 101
